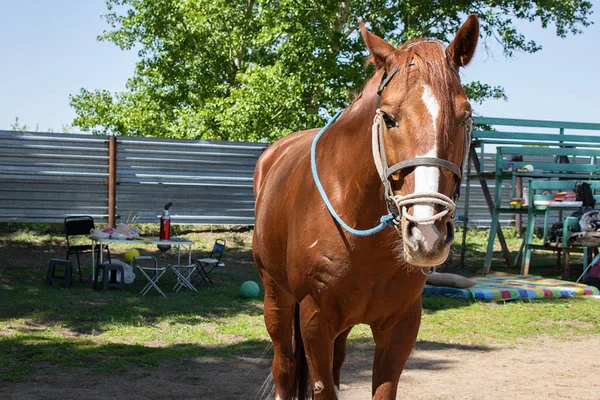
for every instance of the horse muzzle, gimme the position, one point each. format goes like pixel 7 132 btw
pixel 427 244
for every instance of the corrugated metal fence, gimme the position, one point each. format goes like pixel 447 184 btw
pixel 45 177
pixel 209 182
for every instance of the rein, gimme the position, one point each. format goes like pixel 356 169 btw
pixel 386 220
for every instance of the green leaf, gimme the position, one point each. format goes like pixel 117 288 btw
pixel 256 70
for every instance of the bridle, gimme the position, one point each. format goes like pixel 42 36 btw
pixel 397 204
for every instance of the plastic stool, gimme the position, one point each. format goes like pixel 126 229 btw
pixel 110 272
pixel 65 279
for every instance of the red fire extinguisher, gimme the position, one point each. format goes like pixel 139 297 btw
pixel 165 223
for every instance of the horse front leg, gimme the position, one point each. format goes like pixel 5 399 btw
pixel 318 341
pixel 339 356
pixel 394 341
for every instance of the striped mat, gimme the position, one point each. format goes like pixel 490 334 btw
pixel 512 287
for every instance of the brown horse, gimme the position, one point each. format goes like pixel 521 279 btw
pixel 321 277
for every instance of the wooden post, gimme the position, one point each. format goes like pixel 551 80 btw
pixel 112 181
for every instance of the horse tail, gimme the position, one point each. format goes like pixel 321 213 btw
pixel 300 388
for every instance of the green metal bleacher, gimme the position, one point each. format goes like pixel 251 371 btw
pixel 554 156
pixel 544 189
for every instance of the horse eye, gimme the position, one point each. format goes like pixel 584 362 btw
pixel 389 121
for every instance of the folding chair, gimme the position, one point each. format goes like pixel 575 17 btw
pixel 204 266
pixel 187 277
pixel 183 276
pixel 157 273
pixel 80 226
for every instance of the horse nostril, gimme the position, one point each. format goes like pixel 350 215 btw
pixel 449 233
pixel 409 236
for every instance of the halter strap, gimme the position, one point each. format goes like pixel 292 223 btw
pixel 385 79
pixel 397 204
pixel 425 161
pixel 380 158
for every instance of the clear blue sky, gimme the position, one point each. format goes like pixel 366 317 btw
pixel 49 50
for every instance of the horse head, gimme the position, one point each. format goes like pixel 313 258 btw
pixel 421 136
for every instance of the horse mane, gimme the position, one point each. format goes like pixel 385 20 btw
pixel 430 60
pixel 368 93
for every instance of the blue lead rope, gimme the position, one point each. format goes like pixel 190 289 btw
pixel 386 220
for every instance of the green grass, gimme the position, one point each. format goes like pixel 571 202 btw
pixel 79 327
pixel 510 322
pixel 543 261
pixel 82 327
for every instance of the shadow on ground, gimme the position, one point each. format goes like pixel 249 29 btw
pixel 179 371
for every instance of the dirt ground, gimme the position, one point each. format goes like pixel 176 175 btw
pixel 547 368
pixel 544 369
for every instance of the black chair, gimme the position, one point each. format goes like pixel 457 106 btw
pixel 204 266
pixel 81 226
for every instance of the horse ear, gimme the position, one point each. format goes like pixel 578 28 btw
pixel 463 46
pixel 379 48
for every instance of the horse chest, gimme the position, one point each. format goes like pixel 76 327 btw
pixel 360 292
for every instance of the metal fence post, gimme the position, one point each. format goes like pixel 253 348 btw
pixel 112 180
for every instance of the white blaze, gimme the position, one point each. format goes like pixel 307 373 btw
pixel 427 179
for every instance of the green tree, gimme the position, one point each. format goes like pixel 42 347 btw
pixel 259 69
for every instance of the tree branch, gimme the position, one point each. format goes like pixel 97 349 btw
pixel 430 25
pixel 353 28
pixel 342 15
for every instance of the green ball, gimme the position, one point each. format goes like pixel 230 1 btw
pixel 250 289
